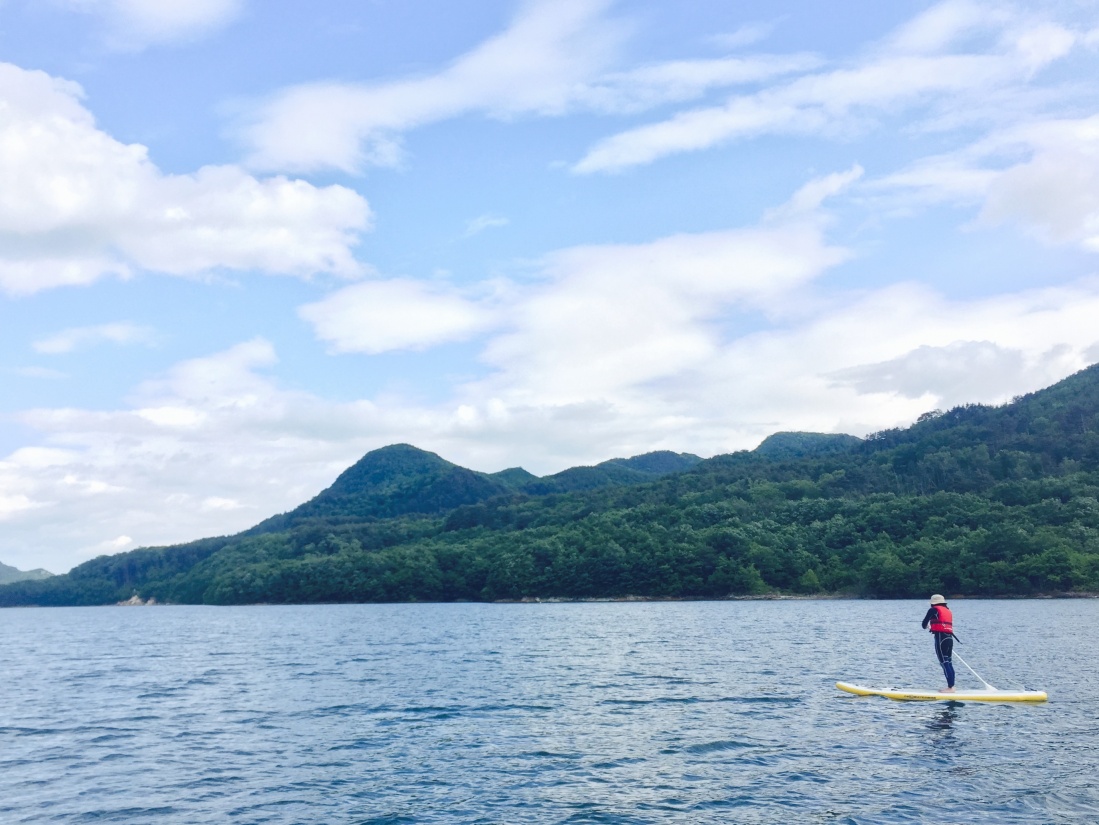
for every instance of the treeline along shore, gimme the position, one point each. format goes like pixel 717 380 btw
pixel 978 500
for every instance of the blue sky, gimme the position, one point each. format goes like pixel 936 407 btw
pixel 241 244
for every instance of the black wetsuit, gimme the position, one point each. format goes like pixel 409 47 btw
pixel 944 645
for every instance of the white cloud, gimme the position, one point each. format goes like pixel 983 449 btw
pixel 634 347
pixel 40 457
pixel 910 71
pixel 555 58
pixel 482 222
pixel 694 130
pixel 227 380
pixel 135 24
pixel 169 416
pixel 949 177
pixel 941 26
pixel 381 316
pixel 675 81
pixel 115 545
pixel 1042 175
pixel 810 197
pixel 601 315
pixel 217 503
pixel 75 338
pixel 13 503
pixel 955 373
pixel 77 205
pixel 911 349
pixel 745 35
pixel 532 67
pixel 615 317
pixel 1044 43
pixel 1055 193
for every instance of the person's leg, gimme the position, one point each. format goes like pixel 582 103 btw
pixel 944 649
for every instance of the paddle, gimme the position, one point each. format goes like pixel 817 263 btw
pixel 971 670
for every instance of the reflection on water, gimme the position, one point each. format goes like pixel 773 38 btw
pixel 943 720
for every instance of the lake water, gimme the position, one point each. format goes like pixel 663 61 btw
pixel 688 712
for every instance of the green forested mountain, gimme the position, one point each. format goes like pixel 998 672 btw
pixel 617 471
pixel 978 500
pixel 10 574
pixel 514 477
pixel 800 445
pixel 398 480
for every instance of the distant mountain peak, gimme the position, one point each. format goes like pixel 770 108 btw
pixel 395 480
pixel 658 462
pixel 786 445
pixel 10 574
pixel 385 466
pixel 514 477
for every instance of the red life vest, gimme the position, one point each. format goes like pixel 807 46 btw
pixel 944 623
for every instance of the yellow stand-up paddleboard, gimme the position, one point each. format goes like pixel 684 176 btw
pixel 909 695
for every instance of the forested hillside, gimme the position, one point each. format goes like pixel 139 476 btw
pixel 14 574
pixel 977 501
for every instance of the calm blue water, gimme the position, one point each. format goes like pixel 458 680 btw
pixel 610 713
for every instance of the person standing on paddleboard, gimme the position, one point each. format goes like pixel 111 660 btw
pixel 942 628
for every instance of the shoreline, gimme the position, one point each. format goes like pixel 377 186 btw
pixel 771 597
pixel 136 601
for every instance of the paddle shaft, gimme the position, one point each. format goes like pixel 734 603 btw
pixel 971 670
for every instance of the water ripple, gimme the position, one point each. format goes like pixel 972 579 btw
pixel 557 713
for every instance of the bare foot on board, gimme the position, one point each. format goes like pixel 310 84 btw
pixel 947 690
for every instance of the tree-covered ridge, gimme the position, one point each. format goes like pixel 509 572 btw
pixel 615 472
pixel 978 500
pixel 799 445
pixel 394 481
pixel 10 574
pixel 385 496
